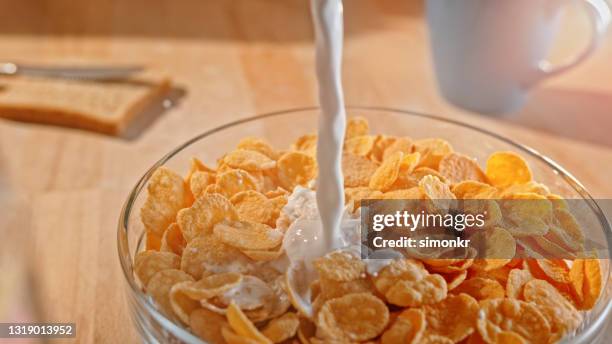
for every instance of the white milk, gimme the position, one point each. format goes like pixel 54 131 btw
pixel 327 18
pixel 316 231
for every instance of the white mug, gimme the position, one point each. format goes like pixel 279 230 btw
pixel 487 54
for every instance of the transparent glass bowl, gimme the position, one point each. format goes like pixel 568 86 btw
pixel 281 129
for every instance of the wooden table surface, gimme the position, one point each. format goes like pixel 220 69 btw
pixel 62 190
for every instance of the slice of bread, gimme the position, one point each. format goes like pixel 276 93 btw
pixel 102 106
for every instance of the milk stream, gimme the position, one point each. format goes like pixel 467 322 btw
pixel 315 232
pixel 328 23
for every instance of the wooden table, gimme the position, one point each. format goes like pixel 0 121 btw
pixel 61 190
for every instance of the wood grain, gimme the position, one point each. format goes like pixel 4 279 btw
pixel 234 59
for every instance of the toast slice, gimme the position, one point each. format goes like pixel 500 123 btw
pixel 105 107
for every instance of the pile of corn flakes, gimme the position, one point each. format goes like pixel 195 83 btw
pixel 213 237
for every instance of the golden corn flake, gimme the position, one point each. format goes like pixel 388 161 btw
pixel 264 255
pixel 353 317
pixel 205 212
pixel 211 286
pixel 199 181
pixel 454 279
pixel 481 288
pixel 381 143
pixel 471 189
pixel 529 187
pixel 401 144
pixel 207 255
pixel 432 151
pixel 340 266
pixel 435 339
pixel 496 243
pixel 386 174
pixel 246 235
pixel 253 206
pixel 148 263
pixel 398 270
pixel 161 283
pixel 555 271
pixel 408 327
pixel 517 278
pixel 173 240
pixel 356 126
pixel 166 196
pixel 420 172
pixel 505 169
pixel 359 145
pixel 332 289
pixel 306 144
pixel 560 313
pixel 181 304
pixel 435 190
pixel 570 229
pixel 406 293
pixel 153 241
pixel 353 196
pixel 357 170
pixel 232 182
pixel 459 310
pixel 591 282
pixel 241 324
pixel 296 168
pixel 207 325
pixel 282 328
pixel 248 160
pixel 257 145
pixel 231 337
pixel 510 315
pixel 457 167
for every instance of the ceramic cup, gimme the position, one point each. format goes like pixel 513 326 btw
pixel 488 54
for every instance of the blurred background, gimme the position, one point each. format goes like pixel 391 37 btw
pixel 61 189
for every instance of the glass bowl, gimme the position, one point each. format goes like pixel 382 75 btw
pixel 281 129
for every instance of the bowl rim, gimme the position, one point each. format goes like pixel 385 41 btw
pixel 123 226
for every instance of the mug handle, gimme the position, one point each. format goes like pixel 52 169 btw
pixel 599 15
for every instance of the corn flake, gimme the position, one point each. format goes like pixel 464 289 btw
pixel 505 169
pixel 408 327
pixel 282 328
pixel 459 310
pixel 560 313
pixel 148 263
pixel 341 319
pixel 357 170
pixel 386 174
pixel 356 126
pixel 207 325
pixel 481 288
pixel 517 278
pixel 511 315
pixel 166 196
pixel 248 160
pixel 296 168
pixel 457 167
pixel 207 255
pixel 432 151
pixel 161 283
pixel 246 235
pixel 172 240
pixel 205 212
pixel 258 145
pixel 359 145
